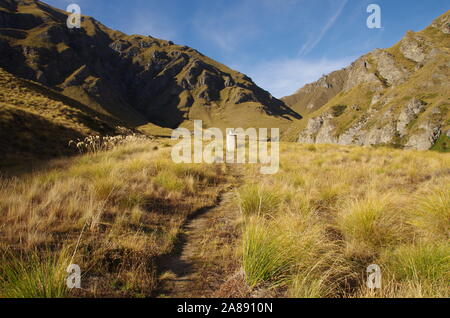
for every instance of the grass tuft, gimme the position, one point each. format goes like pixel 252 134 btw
pixel 34 275
pixel 259 200
pixel 432 215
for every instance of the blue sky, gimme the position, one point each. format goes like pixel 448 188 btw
pixel 280 44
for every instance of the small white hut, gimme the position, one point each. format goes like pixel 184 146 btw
pixel 231 140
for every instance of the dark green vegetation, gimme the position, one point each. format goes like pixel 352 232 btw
pixel 442 144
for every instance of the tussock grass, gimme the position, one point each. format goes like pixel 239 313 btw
pixel 124 206
pixel 169 181
pixel 415 270
pixel 372 222
pixel 258 200
pixel 34 275
pixel 432 215
pixel 290 252
pixel 309 231
pixel 424 263
pixel 267 256
pixel 313 229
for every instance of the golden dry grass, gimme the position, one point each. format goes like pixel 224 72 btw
pixel 312 229
pixel 309 231
pixel 116 212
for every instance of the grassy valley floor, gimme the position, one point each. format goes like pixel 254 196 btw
pixel 141 226
pixel 114 213
pixel 313 229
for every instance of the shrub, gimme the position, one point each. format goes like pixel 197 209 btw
pixel 338 110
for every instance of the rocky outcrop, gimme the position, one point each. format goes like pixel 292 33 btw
pixel 442 23
pixel 381 133
pixel 397 96
pixel 408 114
pixel 318 130
pixel 354 135
pixel 412 48
pixel 425 138
pixel 359 73
pixel 377 128
pixel 388 69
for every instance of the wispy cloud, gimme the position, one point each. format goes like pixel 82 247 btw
pixel 228 27
pixel 312 43
pixel 235 23
pixel 144 22
pixel 285 77
pixel 227 38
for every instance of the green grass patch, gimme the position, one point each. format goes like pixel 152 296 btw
pixel 169 181
pixel 442 144
pixel 34 275
pixel 427 264
pixel 266 255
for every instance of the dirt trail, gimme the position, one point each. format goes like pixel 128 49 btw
pixel 198 267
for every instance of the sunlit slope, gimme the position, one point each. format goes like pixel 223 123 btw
pixel 397 96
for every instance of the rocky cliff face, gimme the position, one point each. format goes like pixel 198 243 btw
pixel 398 96
pixel 313 96
pixel 138 79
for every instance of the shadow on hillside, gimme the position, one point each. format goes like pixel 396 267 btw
pixel 28 141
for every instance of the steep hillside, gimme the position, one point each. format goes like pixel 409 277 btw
pixel 313 96
pixel 139 79
pixel 398 96
pixel 37 122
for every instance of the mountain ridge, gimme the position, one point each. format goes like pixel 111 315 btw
pixel 393 97
pixel 139 79
pixel 397 96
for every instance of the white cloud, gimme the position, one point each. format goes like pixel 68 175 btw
pixel 311 44
pixel 285 77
